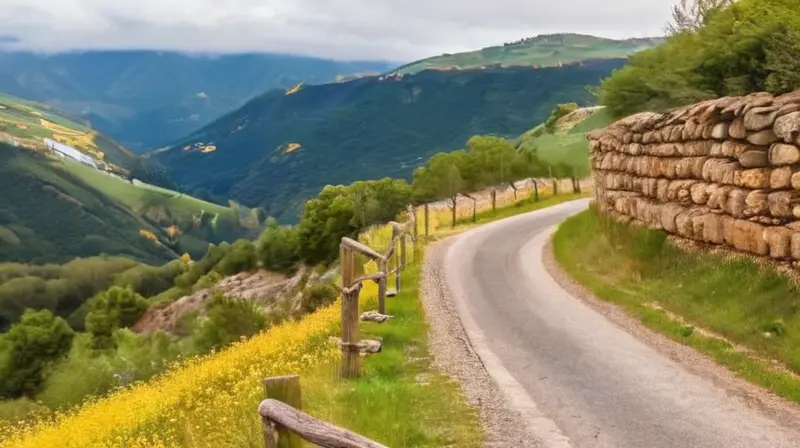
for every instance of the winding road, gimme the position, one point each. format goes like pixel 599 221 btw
pixel 578 379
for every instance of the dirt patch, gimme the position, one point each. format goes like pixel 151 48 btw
pixel 264 286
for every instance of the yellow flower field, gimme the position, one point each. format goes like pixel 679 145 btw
pixel 207 401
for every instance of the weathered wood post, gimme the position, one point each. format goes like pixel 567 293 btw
pixel 494 199
pixel 383 266
pixel 535 190
pixel 351 360
pixel 285 389
pixel 427 223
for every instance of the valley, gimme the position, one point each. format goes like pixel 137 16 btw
pixel 384 126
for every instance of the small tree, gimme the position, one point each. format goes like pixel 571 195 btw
pixel 441 178
pixel 116 308
pixel 277 247
pixel 318 295
pixel 691 15
pixel 29 348
pixel 227 321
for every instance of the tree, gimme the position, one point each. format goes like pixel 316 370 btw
pixel 240 258
pixel 29 348
pixel 278 247
pixel 115 308
pixel 441 178
pixel 227 321
pixel 691 15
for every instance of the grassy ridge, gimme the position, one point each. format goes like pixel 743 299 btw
pixel 740 313
pixel 542 51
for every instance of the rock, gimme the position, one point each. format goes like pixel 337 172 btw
pixel 755 178
pixel 754 159
pixel 669 212
pixel 780 178
pixel 374 316
pixel 787 127
pixel 783 154
pixel 779 240
pixel 763 138
pixel 760 118
pixel 756 202
pixel 796 181
pixel 369 347
pixel 781 203
pixel 737 129
pixel 720 131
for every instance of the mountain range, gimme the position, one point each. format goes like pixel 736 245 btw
pixel 146 99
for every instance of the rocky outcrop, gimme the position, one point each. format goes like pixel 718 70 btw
pixel 724 171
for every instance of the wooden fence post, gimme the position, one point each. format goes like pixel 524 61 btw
pixel 535 191
pixel 494 199
pixel 351 360
pixel 285 389
pixel 383 266
pixel 427 225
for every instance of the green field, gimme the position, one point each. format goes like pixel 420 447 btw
pixel 565 145
pixel 541 51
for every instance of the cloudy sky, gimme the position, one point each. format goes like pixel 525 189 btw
pixel 395 30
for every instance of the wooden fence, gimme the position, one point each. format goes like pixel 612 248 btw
pixel 284 424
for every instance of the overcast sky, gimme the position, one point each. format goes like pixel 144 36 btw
pixel 397 30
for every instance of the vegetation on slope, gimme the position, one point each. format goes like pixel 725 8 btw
pixel 54 209
pixel 541 51
pixel 383 126
pixel 211 400
pixel 146 99
pixel 742 314
pixel 749 46
pixel 562 139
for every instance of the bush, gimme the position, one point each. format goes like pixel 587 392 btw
pixel 317 295
pixel 278 247
pixel 240 258
pixel 29 347
pixel 116 308
pixel 559 112
pixel 150 281
pixel 227 321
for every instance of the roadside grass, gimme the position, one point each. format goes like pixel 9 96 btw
pixel 743 315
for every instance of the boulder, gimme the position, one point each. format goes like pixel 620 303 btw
pixel 754 159
pixel 780 178
pixel 699 193
pixel 795 245
pixel 756 203
pixel 796 181
pixel 755 178
pixel 781 203
pixel 760 118
pixel 720 131
pixel 779 240
pixel 737 129
pixel 787 127
pixel 763 138
pixel 668 214
pixel 783 154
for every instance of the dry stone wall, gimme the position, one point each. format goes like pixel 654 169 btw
pixel 724 171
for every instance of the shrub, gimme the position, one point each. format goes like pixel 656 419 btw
pixel 317 295
pixel 240 258
pixel 278 247
pixel 29 347
pixel 116 308
pixel 228 320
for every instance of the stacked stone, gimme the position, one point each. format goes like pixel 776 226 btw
pixel 724 171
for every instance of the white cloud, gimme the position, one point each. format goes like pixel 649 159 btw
pixel 342 29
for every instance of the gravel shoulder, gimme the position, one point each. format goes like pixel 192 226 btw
pixel 453 355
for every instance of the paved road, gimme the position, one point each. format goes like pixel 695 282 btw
pixel 578 379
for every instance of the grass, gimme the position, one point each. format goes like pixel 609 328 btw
pixel 740 313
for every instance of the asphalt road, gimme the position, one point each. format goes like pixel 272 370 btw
pixel 578 379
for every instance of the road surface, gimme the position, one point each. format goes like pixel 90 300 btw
pixel 577 378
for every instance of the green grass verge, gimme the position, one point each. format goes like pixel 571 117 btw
pixel 739 313
pixel 401 401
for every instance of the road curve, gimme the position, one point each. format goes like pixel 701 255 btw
pixel 578 379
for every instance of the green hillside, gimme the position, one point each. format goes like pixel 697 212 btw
pixel 540 51
pixel 26 123
pixel 566 143
pixel 54 209
pixel 279 150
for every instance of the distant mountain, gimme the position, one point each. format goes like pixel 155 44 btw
pixel 549 50
pixel 54 208
pixel 279 150
pixel 147 99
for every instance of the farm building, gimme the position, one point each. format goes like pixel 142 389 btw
pixel 64 150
